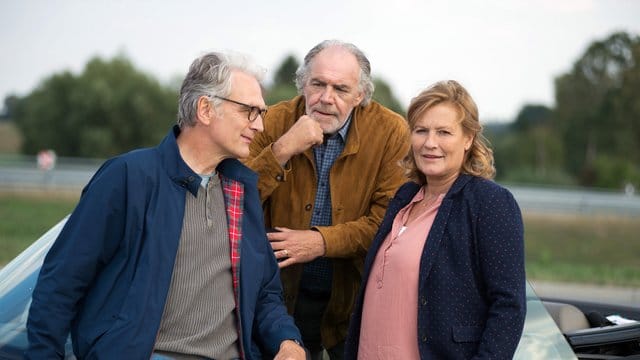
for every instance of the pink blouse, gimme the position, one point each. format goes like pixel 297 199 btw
pixel 389 328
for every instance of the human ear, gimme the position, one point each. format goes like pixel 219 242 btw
pixel 204 110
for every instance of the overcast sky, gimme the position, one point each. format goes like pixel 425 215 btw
pixel 505 52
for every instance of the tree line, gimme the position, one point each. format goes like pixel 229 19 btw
pixel 592 135
pixel 590 138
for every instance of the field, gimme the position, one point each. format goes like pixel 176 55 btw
pixel 584 249
pixel 10 139
pixel 27 216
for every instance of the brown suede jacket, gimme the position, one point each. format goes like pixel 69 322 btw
pixel 362 181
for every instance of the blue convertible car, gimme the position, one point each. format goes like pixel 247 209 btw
pixel 554 329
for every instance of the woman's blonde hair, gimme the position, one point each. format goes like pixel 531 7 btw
pixel 478 160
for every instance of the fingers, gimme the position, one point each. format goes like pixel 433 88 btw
pixel 275 238
pixel 282 254
pixel 284 263
pixel 305 133
pixel 284 258
pixel 279 235
pixel 312 129
pixel 278 243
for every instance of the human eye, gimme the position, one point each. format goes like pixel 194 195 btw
pixel 246 108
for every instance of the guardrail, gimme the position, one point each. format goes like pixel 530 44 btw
pixel 70 174
pixel 583 201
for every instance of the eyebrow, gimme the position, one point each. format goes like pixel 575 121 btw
pixel 335 86
pixel 447 127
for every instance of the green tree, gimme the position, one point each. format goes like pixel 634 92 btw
pixel 533 156
pixel 42 116
pixel 597 109
pixel 529 150
pixel 286 73
pixel 384 95
pixel 283 87
pixel 532 116
pixel 544 151
pixel 108 109
pixel 9 106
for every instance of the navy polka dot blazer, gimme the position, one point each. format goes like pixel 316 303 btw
pixel 472 281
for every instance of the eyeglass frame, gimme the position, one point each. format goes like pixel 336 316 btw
pixel 251 109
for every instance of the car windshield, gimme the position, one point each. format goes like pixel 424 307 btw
pixel 541 338
pixel 17 281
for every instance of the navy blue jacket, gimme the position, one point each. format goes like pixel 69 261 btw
pixel 107 276
pixel 471 290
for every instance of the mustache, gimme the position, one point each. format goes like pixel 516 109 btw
pixel 325 110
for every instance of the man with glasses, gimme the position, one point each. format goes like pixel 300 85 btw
pixel 165 255
pixel 328 163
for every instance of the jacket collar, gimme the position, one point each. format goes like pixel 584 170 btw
pixel 352 143
pixel 458 185
pixel 234 169
pixel 411 188
pixel 181 174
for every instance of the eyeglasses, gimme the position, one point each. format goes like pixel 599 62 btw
pixel 252 111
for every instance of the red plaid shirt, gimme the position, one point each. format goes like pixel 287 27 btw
pixel 233 198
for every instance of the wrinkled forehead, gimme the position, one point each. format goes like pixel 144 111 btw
pixel 335 65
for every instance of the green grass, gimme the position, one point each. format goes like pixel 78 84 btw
pixel 584 249
pixel 27 216
pixel 591 249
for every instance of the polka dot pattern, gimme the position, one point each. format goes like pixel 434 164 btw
pixel 472 280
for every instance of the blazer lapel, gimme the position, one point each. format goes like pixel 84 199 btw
pixel 436 234
pixel 400 200
pixel 434 239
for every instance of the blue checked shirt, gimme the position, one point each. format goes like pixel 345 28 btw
pixel 317 274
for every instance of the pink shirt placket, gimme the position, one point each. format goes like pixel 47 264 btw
pixel 390 310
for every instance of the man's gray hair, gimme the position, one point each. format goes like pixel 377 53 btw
pixel 365 84
pixel 210 76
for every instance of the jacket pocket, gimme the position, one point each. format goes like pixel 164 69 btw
pixel 463 334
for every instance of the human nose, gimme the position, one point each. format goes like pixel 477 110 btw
pixel 257 124
pixel 429 141
pixel 327 94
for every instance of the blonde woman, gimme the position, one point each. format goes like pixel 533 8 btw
pixel 444 277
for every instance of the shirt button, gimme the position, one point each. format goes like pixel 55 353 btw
pixel 424 338
pixel 379 284
pixel 191 178
pixel 424 301
pixel 279 177
pixel 307 207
